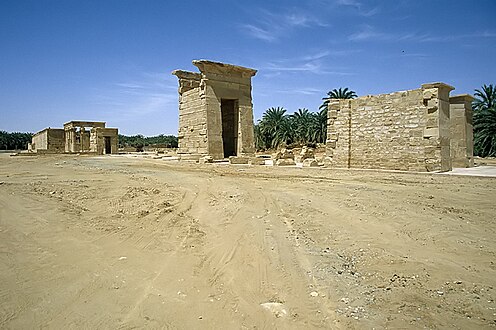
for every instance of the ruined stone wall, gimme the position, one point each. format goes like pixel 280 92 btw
pixel 192 135
pixel 39 141
pixel 406 130
pixel 461 131
pixel 50 139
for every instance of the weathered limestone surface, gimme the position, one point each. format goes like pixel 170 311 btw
pixel 310 162
pixel 256 161
pixel 284 154
pixel 305 153
pixel 285 162
pixel 215 110
pixel 408 130
pixel 206 160
pixel 239 160
pixel 48 140
pixel 462 139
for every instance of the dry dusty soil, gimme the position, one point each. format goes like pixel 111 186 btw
pixel 120 242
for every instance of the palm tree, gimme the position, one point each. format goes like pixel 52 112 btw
pixel 485 99
pixel 484 107
pixel 319 127
pixel 274 128
pixel 341 93
pixel 485 132
pixel 302 124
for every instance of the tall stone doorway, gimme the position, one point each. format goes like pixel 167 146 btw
pixel 215 111
pixel 108 145
pixel 230 115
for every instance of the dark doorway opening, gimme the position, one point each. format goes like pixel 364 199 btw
pixel 229 112
pixel 108 147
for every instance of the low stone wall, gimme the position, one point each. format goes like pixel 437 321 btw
pixel 407 130
pixel 50 139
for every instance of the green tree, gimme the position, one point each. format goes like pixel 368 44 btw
pixel 485 98
pixel 484 107
pixel 341 93
pixel 274 129
pixel 301 123
pixel 159 141
pixel 15 140
pixel 319 127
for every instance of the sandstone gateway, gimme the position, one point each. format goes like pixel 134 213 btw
pixel 215 111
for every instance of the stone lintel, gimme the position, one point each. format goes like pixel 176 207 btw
pixel 76 123
pixel 187 80
pixel 186 75
pixel 106 130
pixel 461 99
pixel 206 66
pixel 440 85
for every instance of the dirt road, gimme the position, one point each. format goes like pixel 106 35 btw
pixel 116 242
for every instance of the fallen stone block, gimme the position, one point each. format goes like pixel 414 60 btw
pixel 256 161
pixel 236 160
pixel 285 162
pixel 206 160
pixel 310 162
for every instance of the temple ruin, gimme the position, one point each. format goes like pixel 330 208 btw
pixel 215 111
pixel 416 130
pixel 49 140
pixel 76 137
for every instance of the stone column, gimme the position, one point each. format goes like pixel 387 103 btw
pixel 461 127
pixel 70 140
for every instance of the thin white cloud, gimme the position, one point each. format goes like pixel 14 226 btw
pixel 316 56
pixel 270 26
pixel 313 63
pixel 369 33
pixel 314 67
pixel 146 94
pixel 307 67
pixel 361 7
pixel 259 33
pixel 303 90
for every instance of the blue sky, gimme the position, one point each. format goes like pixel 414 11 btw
pixel 111 60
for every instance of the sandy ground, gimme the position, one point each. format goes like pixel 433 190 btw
pixel 116 242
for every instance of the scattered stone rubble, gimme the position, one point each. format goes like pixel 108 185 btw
pixel 284 157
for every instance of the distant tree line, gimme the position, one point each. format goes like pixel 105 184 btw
pixel 139 141
pixel 15 140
